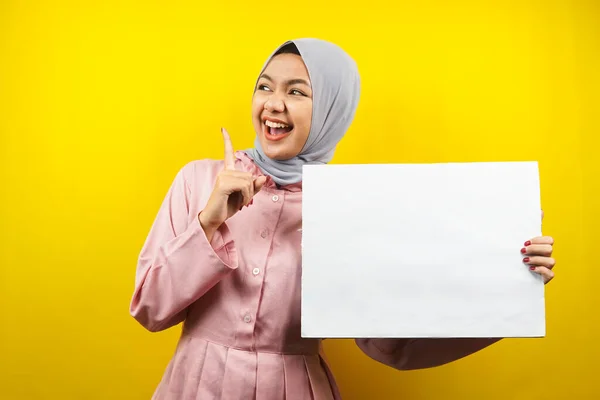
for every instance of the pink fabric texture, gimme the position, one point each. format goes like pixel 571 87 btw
pixel 239 299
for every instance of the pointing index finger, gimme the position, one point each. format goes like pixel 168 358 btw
pixel 229 154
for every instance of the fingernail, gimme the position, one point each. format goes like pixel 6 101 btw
pixel 527 243
pixel 526 260
pixel 523 250
pixel 251 201
pixel 532 268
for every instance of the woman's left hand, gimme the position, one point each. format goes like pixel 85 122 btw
pixel 538 256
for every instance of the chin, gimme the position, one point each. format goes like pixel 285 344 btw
pixel 277 155
pixel 276 151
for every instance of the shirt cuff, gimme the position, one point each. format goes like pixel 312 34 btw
pixel 222 244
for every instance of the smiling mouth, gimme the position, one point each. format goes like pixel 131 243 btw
pixel 276 130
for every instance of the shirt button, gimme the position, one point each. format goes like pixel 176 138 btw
pixel 255 271
pixel 247 318
pixel 275 198
pixel 263 234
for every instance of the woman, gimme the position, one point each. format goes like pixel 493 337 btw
pixel 223 254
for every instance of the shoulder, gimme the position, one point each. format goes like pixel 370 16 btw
pixel 197 172
pixel 202 167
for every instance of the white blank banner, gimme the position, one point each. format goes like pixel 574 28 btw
pixel 420 250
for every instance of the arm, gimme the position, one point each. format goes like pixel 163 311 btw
pixel 409 354
pixel 178 264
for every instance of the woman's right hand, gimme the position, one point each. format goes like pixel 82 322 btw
pixel 232 191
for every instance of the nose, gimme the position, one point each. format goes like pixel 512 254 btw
pixel 275 103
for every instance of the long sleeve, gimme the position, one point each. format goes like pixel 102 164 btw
pixel 177 264
pixel 409 354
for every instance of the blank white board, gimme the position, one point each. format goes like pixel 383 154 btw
pixel 420 250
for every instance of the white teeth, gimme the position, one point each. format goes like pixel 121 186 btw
pixel 275 124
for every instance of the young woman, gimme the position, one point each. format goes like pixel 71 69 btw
pixel 224 256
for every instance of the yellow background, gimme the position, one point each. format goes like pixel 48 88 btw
pixel 102 102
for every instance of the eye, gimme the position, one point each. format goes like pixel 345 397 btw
pixel 263 87
pixel 296 92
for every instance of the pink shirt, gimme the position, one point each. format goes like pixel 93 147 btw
pixel 239 298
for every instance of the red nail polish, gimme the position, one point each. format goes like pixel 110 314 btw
pixel 527 243
pixel 251 201
pixel 526 260
pixel 532 268
pixel 523 250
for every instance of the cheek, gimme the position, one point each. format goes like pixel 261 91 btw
pixel 301 113
pixel 307 112
pixel 305 116
pixel 257 106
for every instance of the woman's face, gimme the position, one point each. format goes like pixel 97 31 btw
pixel 282 107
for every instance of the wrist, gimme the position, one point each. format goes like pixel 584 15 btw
pixel 208 227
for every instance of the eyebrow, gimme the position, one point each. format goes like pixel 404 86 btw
pixel 288 82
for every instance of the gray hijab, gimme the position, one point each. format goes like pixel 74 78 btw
pixel 336 89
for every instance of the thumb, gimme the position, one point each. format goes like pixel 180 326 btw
pixel 259 183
